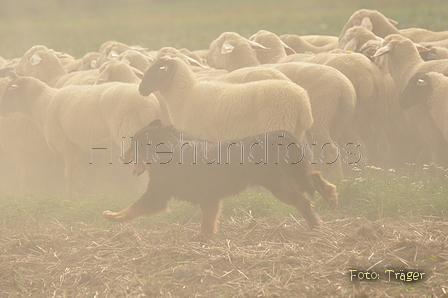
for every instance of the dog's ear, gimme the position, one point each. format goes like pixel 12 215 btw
pixel 155 123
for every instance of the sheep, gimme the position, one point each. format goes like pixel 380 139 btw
pixel 198 56
pixel 206 182
pixel 42 63
pixel 334 90
pixel 116 71
pixel 365 77
pixel 225 52
pixel 173 52
pixel 402 59
pixel 333 102
pixel 23 146
pixel 112 49
pixel 242 75
pixel 382 27
pixel 227 111
pixel 429 89
pixel 87 62
pixel 34 165
pixel 355 38
pixel 45 64
pixel 318 40
pixel 300 45
pixel 75 119
pixel 136 59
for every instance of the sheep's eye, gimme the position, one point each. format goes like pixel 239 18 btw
pixel 13 87
pixel 163 71
pixel 421 82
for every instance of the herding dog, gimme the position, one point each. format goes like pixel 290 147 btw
pixel 205 172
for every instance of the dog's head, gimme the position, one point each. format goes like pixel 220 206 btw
pixel 145 145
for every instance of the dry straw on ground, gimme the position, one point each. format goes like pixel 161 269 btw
pixel 249 257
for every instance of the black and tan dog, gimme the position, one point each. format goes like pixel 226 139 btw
pixel 205 172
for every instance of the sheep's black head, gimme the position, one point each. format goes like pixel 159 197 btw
pixel 417 90
pixel 9 101
pixel 15 98
pixel 157 76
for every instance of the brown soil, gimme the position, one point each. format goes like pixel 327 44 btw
pixel 249 257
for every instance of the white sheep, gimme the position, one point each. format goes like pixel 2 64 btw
pixel 319 40
pixel 112 49
pixel 117 71
pixel 220 111
pixel 88 61
pixel 368 122
pixel 173 52
pixel 382 27
pixel 401 57
pixel 333 102
pixel 45 64
pixel 227 52
pixel 430 91
pixel 300 45
pixel 136 59
pixel 355 38
pixel 75 119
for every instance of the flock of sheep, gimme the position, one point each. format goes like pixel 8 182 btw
pixel 374 92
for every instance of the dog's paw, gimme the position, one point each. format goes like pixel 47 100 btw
pixel 110 216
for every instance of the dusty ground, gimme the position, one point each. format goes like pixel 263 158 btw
pixel 250 257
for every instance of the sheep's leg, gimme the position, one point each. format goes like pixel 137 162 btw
pixel 148 204
pixel 210 213
pixel 326 189
pixel 295 197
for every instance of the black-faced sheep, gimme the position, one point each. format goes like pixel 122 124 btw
pixel 430 91
pixel 219 111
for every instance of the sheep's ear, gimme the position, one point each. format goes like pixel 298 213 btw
pixel 352 45
pixel 155 123
pixel 8 72
pixel 421 49
pixel 35 59
pixel 138 73
pixel 381 51
pixel 367 23
pixel 112 55
pixel 195 62
pixel 227 48
pixel 256 46
pixel 392 22
pixel 63 55
pixel 288 49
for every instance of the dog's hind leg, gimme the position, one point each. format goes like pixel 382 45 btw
pixel 210 213
pixel 326 189
pixel 147 205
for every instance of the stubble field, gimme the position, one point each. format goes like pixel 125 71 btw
pixel 389 222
